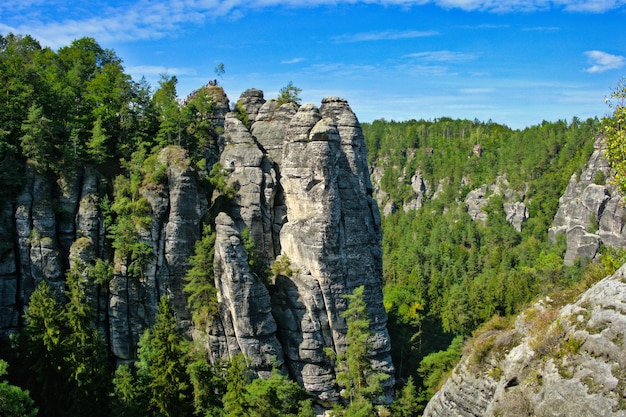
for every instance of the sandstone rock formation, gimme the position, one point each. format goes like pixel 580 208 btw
pixel 590 213
pixel 513 202
pixel 304 197
pixel 567 361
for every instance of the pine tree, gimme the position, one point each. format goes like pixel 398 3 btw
pixel 37 141
pixel 166 356
pixel 43 349
pixel 200 287
pixel 14 401
pixel 360 382
pixel 85 353
pixel 236 381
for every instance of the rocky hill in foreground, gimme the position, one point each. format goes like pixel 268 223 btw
pixel 303 195
pixel 553 361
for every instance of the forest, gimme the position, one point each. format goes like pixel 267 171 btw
pixel 445 275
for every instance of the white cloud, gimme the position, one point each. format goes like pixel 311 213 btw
pixel 153 19
pixel 292 61
pixel 149 70
pixel 602 61
pixel 442 56
pixel 590 6
pixel 384 35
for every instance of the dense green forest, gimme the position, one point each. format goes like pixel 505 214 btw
pixel 444 273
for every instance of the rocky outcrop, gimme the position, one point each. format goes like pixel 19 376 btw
pixel 302 196
pixel 553 362
pixel 513 202
pixel 590 213
pixel 332 241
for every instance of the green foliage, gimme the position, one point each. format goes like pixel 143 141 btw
pixel 44 353
pixel 129 396
pixel 599 178
pixel 86 354
pixel 289 94
pixel 237 378
pixel 282 266
pixel 614 128
pixel 445 274
pixel 276 396
pixel 436 366
pixel 200 285
pixel 208 387
pixel 407 403
pixel 163 358
pixel 255 264
pixel 64 356
pixel 37 141
pixel 218 180
pixel 14 401
pixel 361 384
pixel 132 215
pixel 97 145
pixel 242 115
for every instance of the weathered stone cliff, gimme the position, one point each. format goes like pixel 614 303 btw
pixel 554 361
pixel 303 193
pixel 590 213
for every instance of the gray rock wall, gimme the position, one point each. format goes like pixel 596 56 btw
pixel 555 361
pixel 590 213
pixel 302 190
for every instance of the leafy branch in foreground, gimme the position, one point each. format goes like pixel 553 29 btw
pixel 615 134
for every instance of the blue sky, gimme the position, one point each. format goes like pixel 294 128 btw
pixel 517 62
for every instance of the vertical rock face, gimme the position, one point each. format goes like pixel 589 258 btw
pixel 332 240
pixel 590 212
pixel 303 197
pixel 307 202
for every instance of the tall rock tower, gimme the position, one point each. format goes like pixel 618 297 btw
pixel 304 194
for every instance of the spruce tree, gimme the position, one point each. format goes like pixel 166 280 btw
pixel 44 354
pixel 166 357
pixel 361 383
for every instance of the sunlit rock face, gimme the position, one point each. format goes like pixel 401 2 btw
pixel 306 200
pixel 554 361
pixel 590 212
pixel 303 197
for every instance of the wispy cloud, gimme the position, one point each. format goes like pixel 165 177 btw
pixel 477 90
pixel 506 6
pixel 154 19
pixel 590 6
pixel 603 61
pixel 542 29
pixel 149 70
pixel 292 61
pixel 387 35
pixel 442 56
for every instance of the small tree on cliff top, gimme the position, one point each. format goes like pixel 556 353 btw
pixel 289 94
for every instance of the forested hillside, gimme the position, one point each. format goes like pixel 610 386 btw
pixel 447 273
pixel 452 258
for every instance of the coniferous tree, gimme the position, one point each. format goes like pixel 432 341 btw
pixel 86 355
pixel 200 286
pixel 37 139
pixel 165 357
pixel 14 401
pixel 44 352
pixel 129 397
pixel 361 384
pixel 236 380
